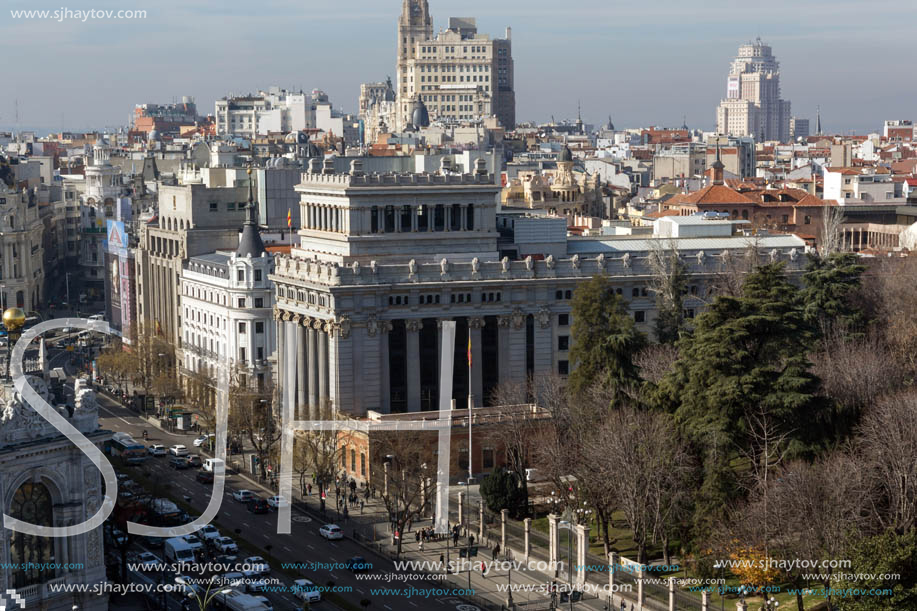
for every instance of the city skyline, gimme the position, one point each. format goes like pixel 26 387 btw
pixel 668 61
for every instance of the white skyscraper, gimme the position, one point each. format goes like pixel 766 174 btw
pixel 753 106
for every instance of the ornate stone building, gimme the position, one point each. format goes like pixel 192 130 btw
pixel 46 480
pixel 560 191
pixel 385 258
pixel 22 275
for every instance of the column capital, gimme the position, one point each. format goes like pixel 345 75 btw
pixel 317 324
pixel 543 316
pixel 343 326
pixel 518 318
pixel 287 316
pixel 276 313
pixel 504 321
pixel 476 322
pixel 413 325
pixel 297 318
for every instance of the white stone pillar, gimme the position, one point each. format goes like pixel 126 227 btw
pixel 280 355
pixel 324 393
pixel 552 541
pixel 671 581
pixel 477 370
pixel 312 371
pixel 481 520
pixel 386 373
pixel 289 393
pixel 302 411
pixel 461 507
pixel 412 330
pixel 503 518
pixel 705 601
pixel 503 324
pixel 528 530
pixel 581 546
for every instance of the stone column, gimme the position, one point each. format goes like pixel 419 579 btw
pixel 413 218
pixel 280 354
pixel 412 328
pixel 638 575
pixel 431 216
pixel 312 371
pixel 503 513
pixel 301 365
pixel 289 393
pixel 528 530
pixel 503 324
pixel 481 521
pixel 464 217
pixel 671 593
pixel 385 325
pixel 461 507
pixel 477 379
pixel 705 601
pixel 552 542
pixel 322 367
pixel 581 545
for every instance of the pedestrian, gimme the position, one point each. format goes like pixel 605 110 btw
pixel 470 540
pixel 417 536
pixel 442 561
pixel 309 488
pixel 455 538
pixel 496 552
pixel 483 569
pixel 623 605
pixel 421 544
pixel 361 507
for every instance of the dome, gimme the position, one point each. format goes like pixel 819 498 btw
pixel 566 154
pixel 420 118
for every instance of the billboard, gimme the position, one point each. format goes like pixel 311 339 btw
pixel 732 88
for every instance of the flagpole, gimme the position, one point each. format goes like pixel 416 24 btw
pixel 470 402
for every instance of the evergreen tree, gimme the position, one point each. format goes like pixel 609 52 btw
pixel 880 557
pixel 747 354
pixel 501 490
pixel 605 340
pixel 828 294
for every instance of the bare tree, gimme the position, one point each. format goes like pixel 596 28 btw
pixel 829 238
pixel 323 449
pixel 887 445
pixel 199 395
pixel 251 414
pixel 655 361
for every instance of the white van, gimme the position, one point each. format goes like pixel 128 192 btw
pixel 211 463
pixel 177 549
pixel 238 601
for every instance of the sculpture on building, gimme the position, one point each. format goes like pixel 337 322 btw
pixel 626 260
pixel 549 261
pixel 575 261
pixel 504 263
pixel 600 262
pixel 444 265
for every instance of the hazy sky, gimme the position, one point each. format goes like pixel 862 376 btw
pixel 641 62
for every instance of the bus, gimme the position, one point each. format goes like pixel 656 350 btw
pixel 123 445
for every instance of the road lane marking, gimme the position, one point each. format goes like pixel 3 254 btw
pixel 413 603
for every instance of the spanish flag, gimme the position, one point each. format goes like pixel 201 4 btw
pixel 469 350
pixel 289 217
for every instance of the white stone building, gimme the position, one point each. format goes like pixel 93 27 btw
pixel 386 257
pixel 227 308
pixel 22 275
pixel 274 110
pixel 753 106
pixel 46 480
pixel 458 74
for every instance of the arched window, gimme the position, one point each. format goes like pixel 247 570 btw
pixel 20 299
pixel 32 504
pixel 745 215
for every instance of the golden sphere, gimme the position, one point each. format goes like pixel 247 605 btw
pixel 13 318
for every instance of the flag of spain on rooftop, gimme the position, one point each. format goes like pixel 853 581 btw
pixel 289 217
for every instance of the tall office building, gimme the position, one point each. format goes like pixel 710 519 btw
pixel 457 75
pixel 753 106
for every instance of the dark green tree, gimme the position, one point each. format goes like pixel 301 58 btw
pixel 501 490
pixel 828 294
pixel 746 357
pixel 882 555
pixel 605 341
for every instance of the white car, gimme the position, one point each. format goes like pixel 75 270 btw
pixel 196 544
pixel 202 440
pixel 243 496
pixel 209 533
pixel 157 450
pixel 178 450
pixel 331 531
pixel 231 579
pixel 148 560
pixel 255 566
pixel 276 502
pixel 305 590
pixel 226 545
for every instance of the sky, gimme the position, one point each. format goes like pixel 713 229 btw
pixel 642 63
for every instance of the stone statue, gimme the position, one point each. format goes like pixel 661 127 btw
pixel 543 316
pixel 518 318
pixel 774 255
pixel 549 261
pixel 626 260
pixel 504 262
pixel 373 267
pixel 600 261
pixel 356 268
pixel 372 325
pixel 444 265
pixel 700 257
pixel 575 261
pixel 344 326
pixel 793 254
pixel 475 265
pixel 412 266
pixel 529 263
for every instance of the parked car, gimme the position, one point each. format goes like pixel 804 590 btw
pixel 178 450
pixel 197 546
pixel 276 502
pixel 226 546
pixel 258 505
pixel 358 564
pixel 303 589
pixel 157 450
pixel 202 440
pixel 331 531
pixel 204 477
pixel 178 462
pixel 242 496
pixel 255 566
pixel 194 461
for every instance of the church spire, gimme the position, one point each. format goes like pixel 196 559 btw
pixel 250 242
pixel 818 120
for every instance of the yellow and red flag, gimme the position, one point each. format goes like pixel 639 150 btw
pixel 289 217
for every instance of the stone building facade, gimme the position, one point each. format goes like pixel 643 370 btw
pixel 385 258
pixel 22 274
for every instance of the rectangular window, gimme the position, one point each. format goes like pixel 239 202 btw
pixel 260 353
pixel 240 302
pixel 240 275
pixel 563 367
pixel 242 327
pixel 259 302
pixel 230 206
pixel 259 327
pixel 363 465
pixel 257 275
pixel 242 354
pixel 213 206
pixel 563 342
pixel 639 316
pixel 563 320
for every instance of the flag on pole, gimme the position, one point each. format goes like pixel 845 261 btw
pixel 469 349
pixel 289 217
